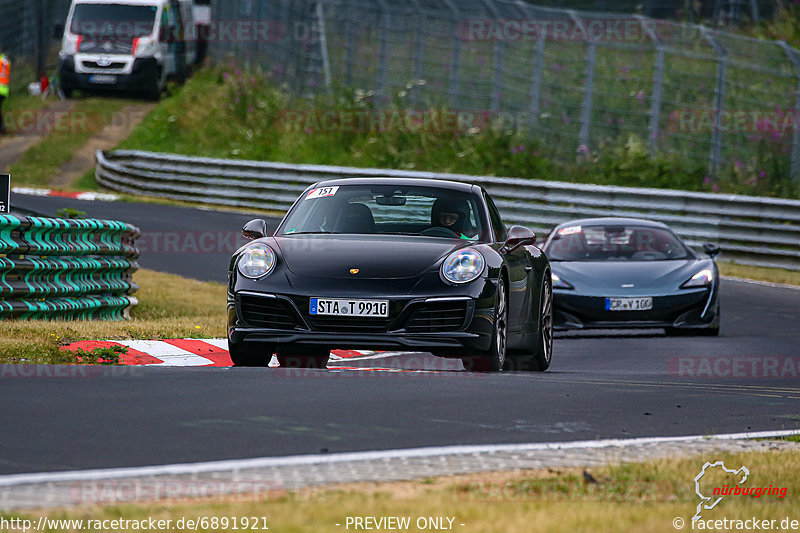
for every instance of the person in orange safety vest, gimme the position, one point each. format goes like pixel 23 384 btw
pixel 5 78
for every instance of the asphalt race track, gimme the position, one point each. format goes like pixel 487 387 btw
pixel 623 385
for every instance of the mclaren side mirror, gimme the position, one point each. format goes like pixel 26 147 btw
pixel 711 249
pixel 519 236
pixel 255 229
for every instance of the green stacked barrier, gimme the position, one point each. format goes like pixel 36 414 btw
pixel 66 269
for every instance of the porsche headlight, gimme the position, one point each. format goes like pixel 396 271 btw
pixel 701 279
pixel 463 266
pixel 559 283
pixel 257 261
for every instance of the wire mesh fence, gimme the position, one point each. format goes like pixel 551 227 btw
pixel 581 82
pixel 27 36
pixel 720 12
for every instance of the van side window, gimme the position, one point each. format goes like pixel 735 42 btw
pixel 497 223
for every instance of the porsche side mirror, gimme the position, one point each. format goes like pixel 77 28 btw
pixel 519 236
pixel 58 31
pixel 711 249
pixel 255 229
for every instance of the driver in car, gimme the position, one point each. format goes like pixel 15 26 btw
pixel 452 215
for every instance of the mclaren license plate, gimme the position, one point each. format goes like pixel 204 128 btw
pixel 357 308
pixel 629 304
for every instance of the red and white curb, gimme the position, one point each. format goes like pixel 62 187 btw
pixel 189 352
pixel 86 196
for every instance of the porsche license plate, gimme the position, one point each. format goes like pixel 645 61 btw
pixel 358 308
pixel 629 304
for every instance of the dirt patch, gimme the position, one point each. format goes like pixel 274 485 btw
pixel 117 130
pixel 14 146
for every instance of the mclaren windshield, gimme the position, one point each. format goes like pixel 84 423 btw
pixel 387 210
pixel 616 243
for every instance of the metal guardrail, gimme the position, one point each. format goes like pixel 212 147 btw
pixel 751 230
pixel 66 269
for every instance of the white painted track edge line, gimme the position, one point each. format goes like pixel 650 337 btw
pixel 301 460
pixel 762 283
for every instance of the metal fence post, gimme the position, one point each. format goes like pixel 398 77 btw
pixel 756 14
pixel 795 165
pixel 418 41
pixel 497 62
pixel 658 88
pixel 536 87
pixel 719 101
pixel 455 68
pixel 349 46
pixel 588 89
pixel 383 59
pixel 323 45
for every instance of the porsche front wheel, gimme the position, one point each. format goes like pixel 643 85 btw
pixel 303 356
pixel 495 358
pixel 538 360
pixel 256 355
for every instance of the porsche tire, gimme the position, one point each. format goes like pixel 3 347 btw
pixel 256 355
pixel 304 357
pixel 494 359
pixel 538 360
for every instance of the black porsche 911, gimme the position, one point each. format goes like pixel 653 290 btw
pixel 391 263
pixel 632 273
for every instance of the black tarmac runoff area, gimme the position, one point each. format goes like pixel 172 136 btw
pixel 601 385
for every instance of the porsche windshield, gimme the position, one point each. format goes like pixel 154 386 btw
pixel 615 243
pixel 114 21
pixel 389 210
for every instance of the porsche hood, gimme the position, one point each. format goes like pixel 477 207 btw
pixel 335 256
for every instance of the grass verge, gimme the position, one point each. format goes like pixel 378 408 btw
pixel 170 307
pixel 40 162
pixel 770 275
pixel 633 497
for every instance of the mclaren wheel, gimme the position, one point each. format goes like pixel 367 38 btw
pixel 495 358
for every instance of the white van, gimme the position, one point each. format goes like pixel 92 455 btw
pixel 126 45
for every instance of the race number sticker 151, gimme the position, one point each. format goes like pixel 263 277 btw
pixel 321 193
pixel 5 193
pixel 570 230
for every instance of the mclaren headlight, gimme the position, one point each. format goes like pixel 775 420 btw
pixel 703 278
pixel 463 266
pixel 257 260
pixel 559 283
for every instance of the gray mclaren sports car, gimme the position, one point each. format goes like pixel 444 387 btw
pixel 631 273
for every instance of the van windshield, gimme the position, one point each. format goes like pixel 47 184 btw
pixel 114 21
